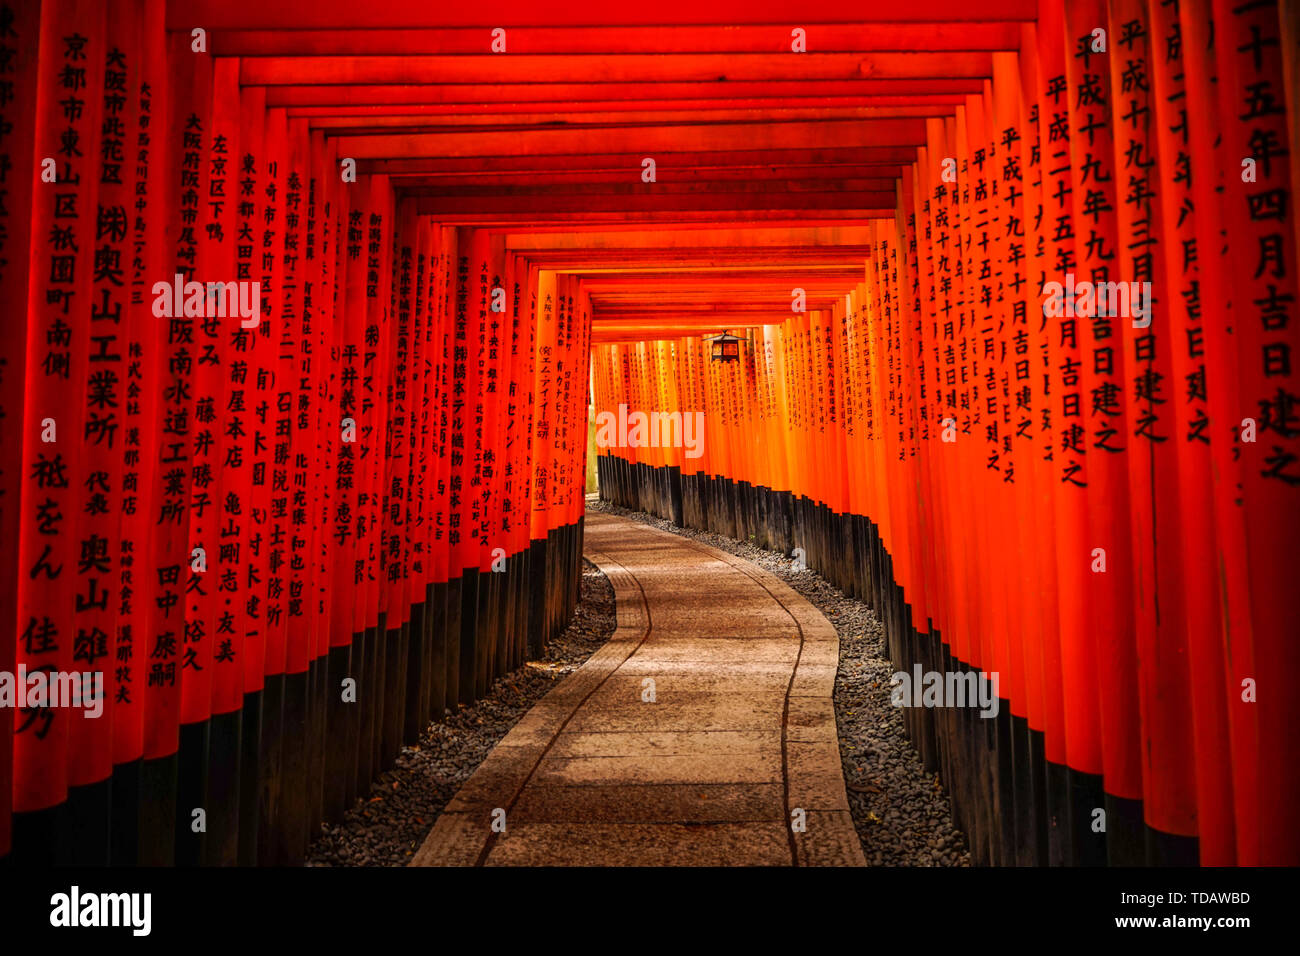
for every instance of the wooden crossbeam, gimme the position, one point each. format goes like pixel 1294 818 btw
pixel 415 122
pixel 629 68
pixel 648 141
pixel 678 158
pixel 336 93
pixel 835 38
pixel 414 14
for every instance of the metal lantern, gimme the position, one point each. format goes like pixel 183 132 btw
pixel 725 348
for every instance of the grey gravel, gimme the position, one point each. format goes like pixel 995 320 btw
pixel 902 813
pixel 387 826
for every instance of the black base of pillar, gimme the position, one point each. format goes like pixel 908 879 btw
pixel 338 720
pixel 221 846
pixel 291 834
pixel 158 795
pixel 125 845
pixel 192 794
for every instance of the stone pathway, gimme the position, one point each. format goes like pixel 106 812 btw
pixel 701 734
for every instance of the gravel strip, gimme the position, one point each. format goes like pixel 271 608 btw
pixel 901 813
pixel 386 827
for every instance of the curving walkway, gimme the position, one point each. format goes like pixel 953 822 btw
pixel 740 733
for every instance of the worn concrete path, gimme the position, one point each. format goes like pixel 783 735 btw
pixel 735 751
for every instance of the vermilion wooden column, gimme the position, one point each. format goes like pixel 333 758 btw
pixel 268 471
pixel 1005 279
pixel 211 227
pixel 18 122
pixel 90 744
pixel 1072 457
pixel 224 453
pixel 347 423
pixel 1159 602
pixel 319 315
pixel 544 396
pixel 466 449
pixel 433 701
pixel 1041 448
pixel 1106 432
pixel 1261 253
pixel 446 574
pixel 412 318
pixel 518 441
pixel 70 63
pixel 1190 438
pixel 140 434
pixel 379 341
pixel 247 395
pixel 400 514
pixel 293 458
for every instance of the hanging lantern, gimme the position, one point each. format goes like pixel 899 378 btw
pixel 725 348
